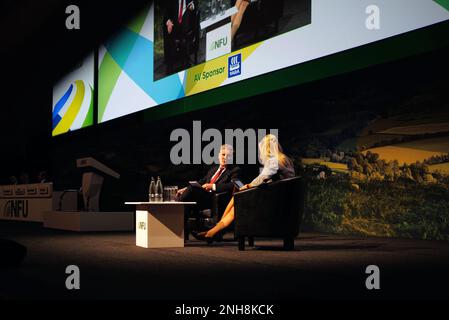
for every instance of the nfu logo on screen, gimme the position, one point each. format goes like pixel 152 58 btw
pixel 235 65
pixel 223 42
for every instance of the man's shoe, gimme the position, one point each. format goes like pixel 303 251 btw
pixel 207 213
pixel 199 235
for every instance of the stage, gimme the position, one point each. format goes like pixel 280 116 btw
pixel 322 266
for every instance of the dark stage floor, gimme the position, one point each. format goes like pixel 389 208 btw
pixel 322 266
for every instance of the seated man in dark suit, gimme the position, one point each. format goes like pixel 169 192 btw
pixel 179 27
pixel 218 179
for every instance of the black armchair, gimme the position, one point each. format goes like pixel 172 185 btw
pixel 270 210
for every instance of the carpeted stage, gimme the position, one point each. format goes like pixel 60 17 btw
pixel 321 267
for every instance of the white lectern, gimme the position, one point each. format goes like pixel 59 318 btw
pixel 91 219
pixel 92 181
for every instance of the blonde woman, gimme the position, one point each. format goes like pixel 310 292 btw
pixel 275 163
pixel 236 19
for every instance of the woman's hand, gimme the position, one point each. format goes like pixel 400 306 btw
pixel 246 186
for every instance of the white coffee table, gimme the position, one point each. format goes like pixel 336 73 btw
pixel 160 224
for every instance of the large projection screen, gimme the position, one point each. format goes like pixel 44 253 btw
pixel 146 65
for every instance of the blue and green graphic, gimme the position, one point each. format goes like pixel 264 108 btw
pixel 73 103
pixel 68 108
pixel 443 3
pixel 125 74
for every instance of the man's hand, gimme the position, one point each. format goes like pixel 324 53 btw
pixel 180 191
pixel 246 186
pixel 169 26
pixel 207 186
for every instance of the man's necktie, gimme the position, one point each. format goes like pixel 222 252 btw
pixel 217 175
pixel 181 8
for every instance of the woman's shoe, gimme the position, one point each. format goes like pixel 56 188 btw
pixel 215 238
pixel 202 237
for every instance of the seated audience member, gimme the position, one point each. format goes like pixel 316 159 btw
pixel 42 177
pixel 276 165
pixel 24 178
pixel 218 179
pixel 13 180
pixel 179 31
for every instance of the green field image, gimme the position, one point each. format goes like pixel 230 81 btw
pixel 414 151
pixel 392 187
pixel 396 128
pixel 335 167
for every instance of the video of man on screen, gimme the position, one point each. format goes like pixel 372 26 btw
pixel 191 32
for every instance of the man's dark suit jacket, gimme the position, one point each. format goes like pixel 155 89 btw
pixel 171 13
pixel 224 183
pixel 203 198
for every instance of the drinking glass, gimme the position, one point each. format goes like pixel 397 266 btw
pixel 170 193
pixel 174 191
pixel 167 194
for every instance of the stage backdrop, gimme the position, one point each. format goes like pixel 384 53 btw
pixel 373 145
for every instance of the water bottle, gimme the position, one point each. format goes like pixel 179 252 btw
pixel 159 190
pixel 152 190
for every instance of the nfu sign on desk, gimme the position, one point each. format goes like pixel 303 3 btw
pixel 16 209
pixel 25 202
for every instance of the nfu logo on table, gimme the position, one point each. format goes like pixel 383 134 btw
pixel 142 225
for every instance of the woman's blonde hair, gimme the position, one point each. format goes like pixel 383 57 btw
pixel 269 147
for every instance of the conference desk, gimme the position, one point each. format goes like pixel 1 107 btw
pixel 160 224
pixel 26 202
